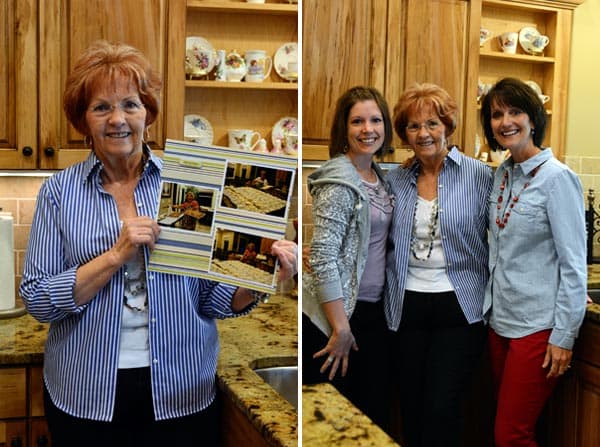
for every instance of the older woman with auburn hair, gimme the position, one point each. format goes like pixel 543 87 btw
pixel 131 355
pixel 436 268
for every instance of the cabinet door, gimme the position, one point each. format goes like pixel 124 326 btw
pixel 343 46
pixel 435 41
pixel 18 109
pixel 67 27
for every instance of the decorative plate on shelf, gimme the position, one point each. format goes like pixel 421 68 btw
pixel 282 127
pixel 286 61
pixel 200 56
pixel 198 129
pixel 527 37
pixel 534 85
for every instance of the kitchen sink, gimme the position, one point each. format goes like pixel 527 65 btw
pixel 284 379
pixel 594 295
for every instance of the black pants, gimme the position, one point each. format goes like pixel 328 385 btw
pixel 436 352
pixel 133 421
pixel 366 383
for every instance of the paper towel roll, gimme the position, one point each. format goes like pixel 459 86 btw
pixel 7 262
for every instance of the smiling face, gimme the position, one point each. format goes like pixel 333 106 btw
pixel 366 129
pixel 512 127
pixel 426 133
pixel 116 119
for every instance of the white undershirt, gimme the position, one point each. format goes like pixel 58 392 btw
pixel 134 349
pixel 427 275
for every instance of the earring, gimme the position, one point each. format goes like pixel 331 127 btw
pixel 532 131
pixel 87 141
pixel 147 134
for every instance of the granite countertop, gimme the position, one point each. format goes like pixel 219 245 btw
pixel 268 336
pixel 328 418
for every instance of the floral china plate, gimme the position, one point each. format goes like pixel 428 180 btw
pixel 286 61
pixel 200 56
pixel 527 36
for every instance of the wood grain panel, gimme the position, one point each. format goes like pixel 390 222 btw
pixel 70 26
pixel 18 78
pixel 343 46
pixel 13 388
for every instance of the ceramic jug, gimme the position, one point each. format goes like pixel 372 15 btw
pixel 259 65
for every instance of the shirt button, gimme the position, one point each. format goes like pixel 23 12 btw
pixel 155 361
pixel 153 320
pixel 139 205
pixel 150 276
pixel 440 186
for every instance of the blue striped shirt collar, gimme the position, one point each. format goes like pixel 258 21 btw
pixel 93 165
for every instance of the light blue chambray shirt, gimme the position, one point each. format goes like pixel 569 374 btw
pixel 463 190
pixel 538 270
pixel 75 221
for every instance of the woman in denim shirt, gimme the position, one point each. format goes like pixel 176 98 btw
pixel 536 296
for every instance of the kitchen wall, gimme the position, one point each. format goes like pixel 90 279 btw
pixel 583 145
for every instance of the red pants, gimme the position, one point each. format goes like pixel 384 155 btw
pixel 521 386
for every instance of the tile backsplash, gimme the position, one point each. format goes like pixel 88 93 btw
pixel 17 196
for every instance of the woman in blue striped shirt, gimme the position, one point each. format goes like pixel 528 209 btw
pixel 131 355
pixel 436 269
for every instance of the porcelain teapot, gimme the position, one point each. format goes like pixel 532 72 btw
pixel 235 67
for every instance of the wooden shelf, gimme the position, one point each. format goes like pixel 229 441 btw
pixel 527 58
pixel 244 8
pixel 242 85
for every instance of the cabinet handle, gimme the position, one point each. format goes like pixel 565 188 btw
pixel 49 151
pixel 16 442
pixel 27 151
pixel 42 441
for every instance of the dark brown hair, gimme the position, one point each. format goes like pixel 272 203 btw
pixel 416 97
pixel 339 128
pixel 512 92
pixel 102 63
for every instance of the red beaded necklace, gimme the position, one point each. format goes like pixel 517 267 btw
pixel 501 222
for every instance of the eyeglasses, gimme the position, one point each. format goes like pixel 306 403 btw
pixel 430 125
pixel 128 106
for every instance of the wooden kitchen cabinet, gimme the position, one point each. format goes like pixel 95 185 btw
pixel 390 44
pixel 572 415
pixel 240 26
pixel 387 44
pixel 550 70
pixel 42 41
pixel 22 407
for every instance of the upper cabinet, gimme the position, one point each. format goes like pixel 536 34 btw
pixel 41 41
pixel 18 83
pixel 390 44
pixel 544 67
pixel 387 44
pixel 236 28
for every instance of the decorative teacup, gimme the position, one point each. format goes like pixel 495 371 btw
pixel 199 137
pixel 508 42
pixel 538 43
pixel 259 65
pixel 484 35
pixel 243 139
pixel 291 143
